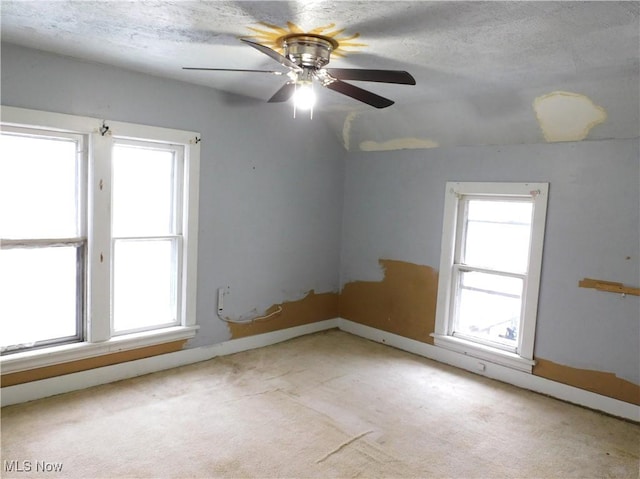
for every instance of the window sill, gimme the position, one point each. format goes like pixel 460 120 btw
pixel 486 353
pixel 72 352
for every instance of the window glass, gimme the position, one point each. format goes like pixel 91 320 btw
pixel 144 284
pixel 143 191
pixel 144 218
pixel 39 290
pixel 41 282
pixel 38 187
pixel 496 237
pixel 489 307
pixel 497 234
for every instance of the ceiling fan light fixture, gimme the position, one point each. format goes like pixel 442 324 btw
pixel 304 98
pixel 306 55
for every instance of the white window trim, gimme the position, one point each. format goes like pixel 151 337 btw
pixel 523 359
pixel 98 340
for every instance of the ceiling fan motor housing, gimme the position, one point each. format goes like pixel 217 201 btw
pixel 308 50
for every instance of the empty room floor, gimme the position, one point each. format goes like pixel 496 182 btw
pixel 324 405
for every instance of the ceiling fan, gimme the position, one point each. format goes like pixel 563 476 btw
pixel 306 55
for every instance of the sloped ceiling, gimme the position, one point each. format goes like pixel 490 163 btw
pixel 487 72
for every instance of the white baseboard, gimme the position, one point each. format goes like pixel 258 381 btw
pixel 93 377
pixel 521 379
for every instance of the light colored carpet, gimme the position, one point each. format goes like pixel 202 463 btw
pixel 325 405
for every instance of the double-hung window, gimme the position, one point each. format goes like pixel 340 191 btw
pixel 43 231
pixel 98 237
pixel 490 270
pixel 146 235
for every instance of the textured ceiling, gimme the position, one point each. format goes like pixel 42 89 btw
pixel 486 72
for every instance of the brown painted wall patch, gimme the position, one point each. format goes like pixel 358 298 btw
pixel 403 303
pixel 607 384
pixel 90 363
pixel 310 309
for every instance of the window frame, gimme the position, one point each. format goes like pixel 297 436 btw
pixel 98 339
pixel 453 234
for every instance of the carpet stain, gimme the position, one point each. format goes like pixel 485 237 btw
pixel 419 431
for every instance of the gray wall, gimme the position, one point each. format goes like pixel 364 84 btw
pixel 270 190
pixel 394 205
pixel 271 204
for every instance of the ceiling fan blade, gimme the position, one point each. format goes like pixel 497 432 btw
pixel 273 54
pixel 273 72
pixel 383 76
pixel 284 93
pixel 359 94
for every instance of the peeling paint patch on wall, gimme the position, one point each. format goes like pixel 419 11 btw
pixel 403 303
pixel 346 130
pixel 398 144
pixel 607 384
pixel 566 116
pixel 310 309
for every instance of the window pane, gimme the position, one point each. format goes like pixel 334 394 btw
pixel 144 284
pixel 489 307
pixel 143 191
pixel 498 235
pixel 39 290
pixel 38 187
